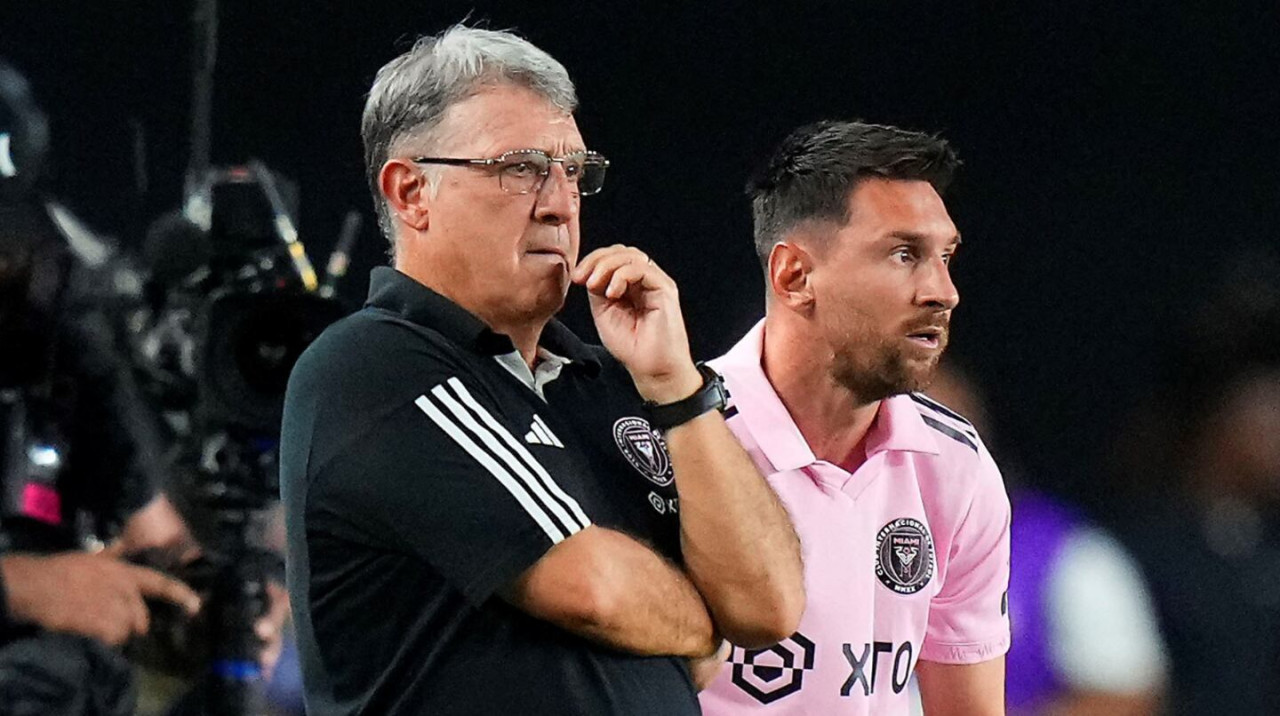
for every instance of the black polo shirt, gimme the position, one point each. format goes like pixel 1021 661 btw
pixel 419 476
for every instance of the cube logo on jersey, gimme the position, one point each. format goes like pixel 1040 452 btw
pixel 773 672
pixel 644 449
pixel 904 555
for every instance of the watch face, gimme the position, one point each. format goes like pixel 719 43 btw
pixel 722 394
pixel 715 386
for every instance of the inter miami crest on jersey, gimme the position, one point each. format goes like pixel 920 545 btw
pixel 904 555
pixel 644 449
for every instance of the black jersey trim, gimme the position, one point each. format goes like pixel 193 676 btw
pixel 946 415
pixel 939 407
pixel 949 432
pixel 524 478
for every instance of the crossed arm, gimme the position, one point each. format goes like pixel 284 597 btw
pixel 742 576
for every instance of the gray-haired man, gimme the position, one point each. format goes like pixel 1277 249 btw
pixel 486 515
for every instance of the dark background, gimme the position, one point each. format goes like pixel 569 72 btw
pixel 1118 155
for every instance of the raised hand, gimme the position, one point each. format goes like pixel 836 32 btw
pixel 636 308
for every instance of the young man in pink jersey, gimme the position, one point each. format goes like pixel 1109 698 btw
pixel 901 512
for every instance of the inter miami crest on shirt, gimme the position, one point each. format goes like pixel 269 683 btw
pixel 644 449
pixel 904 555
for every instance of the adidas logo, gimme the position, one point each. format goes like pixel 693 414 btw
pixel 540 434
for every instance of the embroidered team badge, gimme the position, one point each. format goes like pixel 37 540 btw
pixel 644 449
pixel 904 555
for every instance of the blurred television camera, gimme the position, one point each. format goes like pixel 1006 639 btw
pixel 233 301
pixel 207 321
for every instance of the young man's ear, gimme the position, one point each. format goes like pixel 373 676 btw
pixel 790 270
pixel 407 192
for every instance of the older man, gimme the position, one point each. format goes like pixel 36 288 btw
pixel 902 514
pixel 485 515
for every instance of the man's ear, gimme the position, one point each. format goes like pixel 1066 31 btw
pixel 407 192
pixel 790 276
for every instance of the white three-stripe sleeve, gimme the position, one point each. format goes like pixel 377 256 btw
pixel 503 476
pixel 522 464
pixel 526 481
pixel 519 449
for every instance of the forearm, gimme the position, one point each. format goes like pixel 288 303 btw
pixel 962 689
pixel 740 548
pixel 616 591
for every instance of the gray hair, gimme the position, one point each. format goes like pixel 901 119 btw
pixel 412 92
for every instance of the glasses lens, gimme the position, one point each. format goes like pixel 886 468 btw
pixel 520 172
pixel 591 174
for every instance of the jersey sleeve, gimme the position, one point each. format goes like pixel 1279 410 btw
pixel 442 476
pixel 968 618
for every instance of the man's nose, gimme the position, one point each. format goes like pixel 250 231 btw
pixel 557 198
pixel 936 288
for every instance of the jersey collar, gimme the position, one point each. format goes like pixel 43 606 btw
pixel 393 291
pixel 898 425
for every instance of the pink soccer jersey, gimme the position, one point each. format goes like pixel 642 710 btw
pixel 906 558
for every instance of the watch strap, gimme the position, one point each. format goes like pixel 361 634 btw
pixel 711 396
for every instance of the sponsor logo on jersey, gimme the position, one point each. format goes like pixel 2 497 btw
pixel 775 672
pixel 865 661
pixel 904 555
pixel 663 505
pixel 644 449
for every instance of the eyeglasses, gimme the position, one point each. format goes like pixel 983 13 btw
pixel 522 171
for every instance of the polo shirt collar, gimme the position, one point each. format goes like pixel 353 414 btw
pixel 898 425
pixel 766 418
pixel 396 292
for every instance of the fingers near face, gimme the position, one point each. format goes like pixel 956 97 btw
pixel 611 270
pixel 623 278
pixel 609 255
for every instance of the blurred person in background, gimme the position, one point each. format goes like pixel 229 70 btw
pixel 68 467
pixel 1085 638
pixel 73 468
pixel 1205 453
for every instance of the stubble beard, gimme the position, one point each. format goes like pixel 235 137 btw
pixel 875 368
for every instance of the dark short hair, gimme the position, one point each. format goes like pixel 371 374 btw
pixel 811 173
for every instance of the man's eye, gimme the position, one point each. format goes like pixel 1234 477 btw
pixel 572 169
pixel 903 255
pixel 521 169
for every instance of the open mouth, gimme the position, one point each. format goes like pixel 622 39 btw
pixel 927 337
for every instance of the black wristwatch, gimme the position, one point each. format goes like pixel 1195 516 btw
pixel 711 396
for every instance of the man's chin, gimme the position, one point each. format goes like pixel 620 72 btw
pixel 547 303
pixel 918 377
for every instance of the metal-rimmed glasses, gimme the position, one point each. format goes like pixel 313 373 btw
pixel 522 171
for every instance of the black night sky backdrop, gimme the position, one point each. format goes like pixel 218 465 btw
pixel 1116 154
